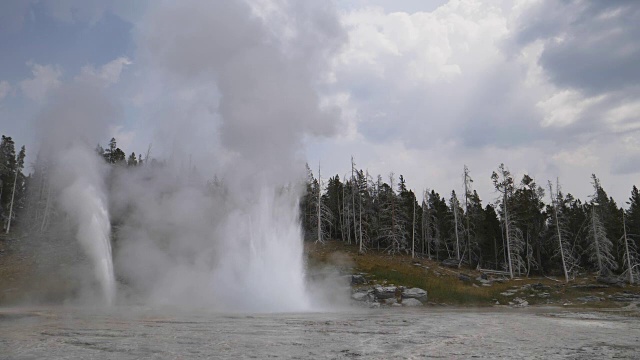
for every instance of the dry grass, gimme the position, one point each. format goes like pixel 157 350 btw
pixel 443 284
pixel 23 279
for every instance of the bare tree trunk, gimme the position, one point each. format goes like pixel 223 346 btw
pixel 413 232
pixel 506 226
pixel 13 194
pixel 595 238
pixel 466 210
pixel 626 245
pixel 318 207
pixel 527 250
pixel 360 220
pixel 555 211
pixel 424 229
pixel 455 220
pixel 340 218
pixel 345 215
pixel 353 200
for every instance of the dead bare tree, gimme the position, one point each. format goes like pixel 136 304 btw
pixel 564 248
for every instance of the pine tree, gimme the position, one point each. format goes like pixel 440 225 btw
pixel 631 236
pixel 132 161
pixel 503 182
pixel 633 213
pixel 560 232
pixel 600 246
pixel 334 202
pixel 454 205
pixel 528 210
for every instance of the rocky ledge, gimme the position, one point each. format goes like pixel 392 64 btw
pixel 376 296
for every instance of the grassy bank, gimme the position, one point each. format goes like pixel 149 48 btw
pixel 444 285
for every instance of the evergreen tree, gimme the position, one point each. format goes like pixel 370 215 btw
pixel 113 154
pixel 600 246
pixel 474 228
pixel 491 239
pixel 515 245
pixel 439 223
pixel 528 210
pixel 457 228
pixel 631 237
pixel 393 230
pixel 560 234
pixel 633 213
pixel 334 203
pixel 132 161
pixel 7 171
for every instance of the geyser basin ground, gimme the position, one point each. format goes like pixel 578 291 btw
pixel 129 333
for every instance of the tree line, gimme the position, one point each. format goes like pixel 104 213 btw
pixel 26 201
pixel 528 229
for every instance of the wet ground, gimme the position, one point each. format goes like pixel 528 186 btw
pixel 133 333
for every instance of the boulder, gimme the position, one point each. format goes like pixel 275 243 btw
pixel 415 293
pixel 389 301
pixel 453 263
pixel 465 278
pixel 358 280
pixel 411 302
pixel 518 302
pixel 540 287
pixel 384 292
pixel 361 296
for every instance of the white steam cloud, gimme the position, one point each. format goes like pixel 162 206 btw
pixel 73 118
pixel 235 244
pixel 244 78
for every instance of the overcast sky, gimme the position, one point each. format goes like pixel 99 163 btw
pixel 420 88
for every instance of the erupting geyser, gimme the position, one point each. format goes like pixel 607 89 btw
pixel 236 93
pixel 82 198
pixel 263 268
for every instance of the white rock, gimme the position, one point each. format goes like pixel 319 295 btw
pixel 360 296
pixel 415 293
pixel 411 302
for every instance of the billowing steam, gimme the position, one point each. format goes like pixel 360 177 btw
pixel 82 199
pixel 223 232
pixel 76 114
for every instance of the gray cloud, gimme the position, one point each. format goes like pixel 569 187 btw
pixel 626 164
pixel 589 45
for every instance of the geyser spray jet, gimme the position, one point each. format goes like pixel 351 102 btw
pixel 76 116
pixel 83 199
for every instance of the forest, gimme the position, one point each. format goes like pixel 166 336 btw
pixel 530 228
